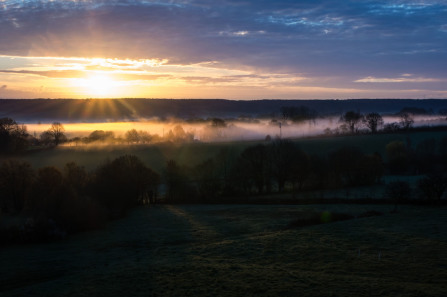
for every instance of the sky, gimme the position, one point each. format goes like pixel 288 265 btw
pixel 258 49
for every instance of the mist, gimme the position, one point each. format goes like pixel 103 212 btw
pixel 232 130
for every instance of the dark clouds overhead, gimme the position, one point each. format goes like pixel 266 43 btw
pixel 343 40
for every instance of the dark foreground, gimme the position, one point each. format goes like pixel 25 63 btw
pixel 239 250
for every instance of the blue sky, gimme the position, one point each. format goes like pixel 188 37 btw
pixel 223 49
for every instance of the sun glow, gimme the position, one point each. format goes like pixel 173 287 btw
pixel 99 85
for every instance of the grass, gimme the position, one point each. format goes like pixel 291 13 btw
pixel 240 250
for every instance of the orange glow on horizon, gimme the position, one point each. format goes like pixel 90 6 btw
pixel 97 85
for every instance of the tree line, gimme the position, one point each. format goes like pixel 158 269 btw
pixel 354 121
pixel 276 167
pixel 281 166
pixel 59 202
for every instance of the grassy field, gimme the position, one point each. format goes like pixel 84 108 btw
pixel 156 155
pixel 239 250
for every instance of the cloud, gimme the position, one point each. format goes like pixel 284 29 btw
pixel 312 38
pixel 405 78
pixel 3 87
pixel 87 74
pixel 50 74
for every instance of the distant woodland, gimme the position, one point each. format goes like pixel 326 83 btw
pixel 78 110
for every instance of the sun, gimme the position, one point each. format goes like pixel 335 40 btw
pixel 99 85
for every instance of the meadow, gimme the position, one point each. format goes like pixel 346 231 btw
pixel 239 250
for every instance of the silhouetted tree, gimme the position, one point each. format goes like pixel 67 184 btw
pixel 352 119
pixel 179 134
pixel 100 135
pixel 16 180
pixel 398 157
pixel 373 121
pixel 46 138
pixel 207 180
pixel 406 120
pixel 319 176
pixel 354 168
pixel 132 136
pixel 426 156
pixel 13 137
pixel 283 153
pixel 218 123
pixel 178 188
pixel 123 183
pixel 225 160
pixel 255 160
pixel 76 177
pixel 145 137
pixel 301 169
pixel 58 206
pixel 433 186
pixel 216 129
pixel 55 135
pixel 48 193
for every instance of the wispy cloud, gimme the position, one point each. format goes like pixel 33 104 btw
pixel 405 78
pixel 86 74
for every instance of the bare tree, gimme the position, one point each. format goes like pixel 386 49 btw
pixel 57 133
pixel 373 121
pixel 352 120
pixel 406 120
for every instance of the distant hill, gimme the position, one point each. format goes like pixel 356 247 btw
pixel 87 110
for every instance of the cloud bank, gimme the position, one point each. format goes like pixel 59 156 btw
pixel 332 44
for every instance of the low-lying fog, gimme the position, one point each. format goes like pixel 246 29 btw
pixel 234 129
